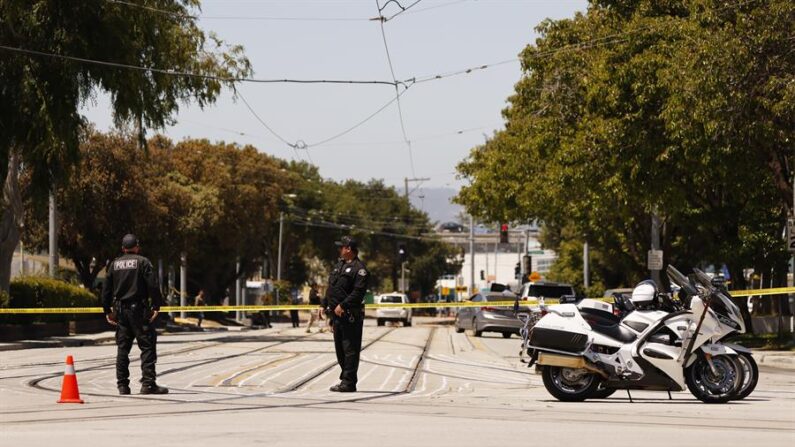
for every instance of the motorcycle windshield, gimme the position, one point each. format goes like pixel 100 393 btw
pixel 723 306
pixel 681 280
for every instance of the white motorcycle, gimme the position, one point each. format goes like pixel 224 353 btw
pixel 649 349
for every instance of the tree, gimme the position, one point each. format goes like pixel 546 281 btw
pixel 236 195
pixel 44 83
pixel 642 107
pixel 107 196
pixel 377 215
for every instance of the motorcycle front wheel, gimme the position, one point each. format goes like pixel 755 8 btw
pixel 569 384
pixel 714 387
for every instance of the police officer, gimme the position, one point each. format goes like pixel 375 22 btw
pixel 131 299
pixel 344 303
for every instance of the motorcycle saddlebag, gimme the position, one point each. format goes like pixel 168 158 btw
pixel 559 340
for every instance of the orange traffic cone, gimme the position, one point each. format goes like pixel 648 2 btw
pixel 69 392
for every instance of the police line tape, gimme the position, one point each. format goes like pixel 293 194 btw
pixel 439 305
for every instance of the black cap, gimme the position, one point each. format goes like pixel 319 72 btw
pixel 129 241
pixel 347 241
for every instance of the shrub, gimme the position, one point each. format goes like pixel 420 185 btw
pixel 41 292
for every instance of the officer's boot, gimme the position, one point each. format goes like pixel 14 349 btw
pixel 153 389
pixel 124 390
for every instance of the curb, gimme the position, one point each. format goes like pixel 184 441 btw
pixel 776 359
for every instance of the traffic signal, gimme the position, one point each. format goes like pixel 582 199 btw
pixel 517 271
pixel 482 275
pixel 503 233
pixel 402 253
pixel 527 266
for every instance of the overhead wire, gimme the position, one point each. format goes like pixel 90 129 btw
pixel 360 123
pixel 262 18
pixel 402 9
pixel 604 40
pixel 331 225
pixel 397 94
pixel 169 72
pixel 265 125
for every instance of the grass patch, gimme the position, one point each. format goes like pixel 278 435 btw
pixel 766 342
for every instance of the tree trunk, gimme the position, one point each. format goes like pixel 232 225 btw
pixel 86 271
pixel 10 220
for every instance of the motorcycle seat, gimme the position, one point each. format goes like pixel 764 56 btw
pixel 615 331
pixel 599 317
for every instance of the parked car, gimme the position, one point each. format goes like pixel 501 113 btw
pixel 536 290
pixel 394 314
pixel 488 318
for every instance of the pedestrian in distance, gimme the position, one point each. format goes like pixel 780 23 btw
pixel 265 300
pixel 131 300
pixel 314 314
pixel 344 304
pixel 199 301
pixel 294 312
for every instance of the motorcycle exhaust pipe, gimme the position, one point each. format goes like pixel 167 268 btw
pixel 567 361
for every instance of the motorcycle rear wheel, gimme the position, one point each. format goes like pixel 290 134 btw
pixel 714 388
pixel 569 385
pixel 751 375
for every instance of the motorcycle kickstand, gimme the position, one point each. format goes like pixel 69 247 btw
pixel 630 396
pixel 669 395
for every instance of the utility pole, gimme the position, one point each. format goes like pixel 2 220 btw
pixel 406 181
pixel 655 246
pixel 183 282
pixel 170 287
pixel 279 255
pixel 22 249
pixel 586 274
pixel 53 237
pixel 471 255
pixel 496 266
pixel 524 253
pixel 403 277
pixel 160 273
pixel 237 288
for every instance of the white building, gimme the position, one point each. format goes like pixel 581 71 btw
pixel 495 262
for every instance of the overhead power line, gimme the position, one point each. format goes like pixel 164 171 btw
pixel 262 18
pixel 170 72
pixel 399 5
pixel 394 79
pixel 301 144
pixel 360 123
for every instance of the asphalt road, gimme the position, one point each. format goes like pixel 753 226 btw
pixel 424 385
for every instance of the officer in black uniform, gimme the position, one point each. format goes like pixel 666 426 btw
pixel 131 299
pixel 344 304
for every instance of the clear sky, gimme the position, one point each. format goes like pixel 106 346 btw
pixel 435 36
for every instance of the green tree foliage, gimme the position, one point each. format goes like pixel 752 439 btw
pixel 42 89
pixel 215 202
pixel 219 204
pixel 377 216
pixel 684 107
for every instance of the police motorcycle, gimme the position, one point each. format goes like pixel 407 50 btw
pixel 642 303
pixel 665 349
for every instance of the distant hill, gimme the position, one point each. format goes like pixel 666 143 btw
pixel 436 202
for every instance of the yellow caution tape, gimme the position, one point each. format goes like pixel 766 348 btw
pixel 259 308
pixel 762 292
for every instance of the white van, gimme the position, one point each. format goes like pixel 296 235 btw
pixel 393 314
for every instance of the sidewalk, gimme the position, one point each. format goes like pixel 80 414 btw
pixel 776 359
pixel 106 337
pixel 58 342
